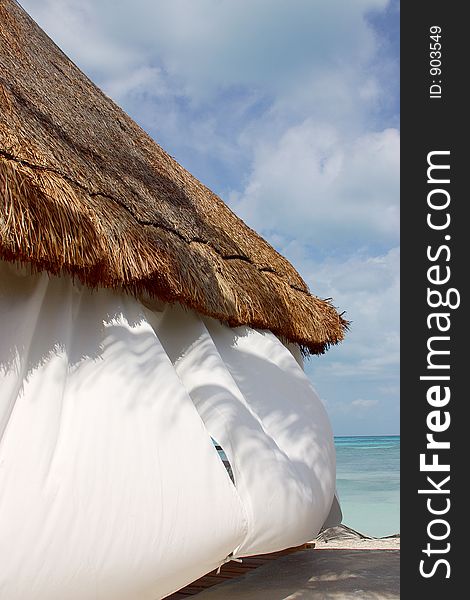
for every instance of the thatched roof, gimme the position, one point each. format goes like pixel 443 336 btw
pixel 86 191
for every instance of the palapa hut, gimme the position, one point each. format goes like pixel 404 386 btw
pixel 139 319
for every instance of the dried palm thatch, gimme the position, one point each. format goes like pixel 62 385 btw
pixel 85 191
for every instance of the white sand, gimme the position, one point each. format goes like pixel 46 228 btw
pixel 360 544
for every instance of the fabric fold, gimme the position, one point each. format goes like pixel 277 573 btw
pixel 258 404
pixel 110 485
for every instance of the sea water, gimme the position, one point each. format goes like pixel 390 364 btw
pixel 368 483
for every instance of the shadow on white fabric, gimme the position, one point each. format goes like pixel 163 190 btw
pixel 110 485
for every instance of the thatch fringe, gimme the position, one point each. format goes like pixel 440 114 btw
pixel 53 225
pixel 84 191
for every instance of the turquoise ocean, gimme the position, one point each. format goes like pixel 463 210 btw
pixel 368 483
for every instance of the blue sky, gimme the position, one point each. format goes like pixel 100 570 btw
pixel 288 109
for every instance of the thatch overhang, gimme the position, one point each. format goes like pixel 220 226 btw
pixel 85 191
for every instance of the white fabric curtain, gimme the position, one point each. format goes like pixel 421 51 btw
pixel 110 486
pixel 258 404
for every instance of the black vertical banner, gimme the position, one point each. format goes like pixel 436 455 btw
pixel 435 243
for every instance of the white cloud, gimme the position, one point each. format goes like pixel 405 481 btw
pixel 315 186
pixel 364 404
pixel 368 288
pixel 359 408
pixel 213 43
pixel 74 26
pixel 141 82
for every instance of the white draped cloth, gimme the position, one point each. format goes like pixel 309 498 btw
pixel 110 485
